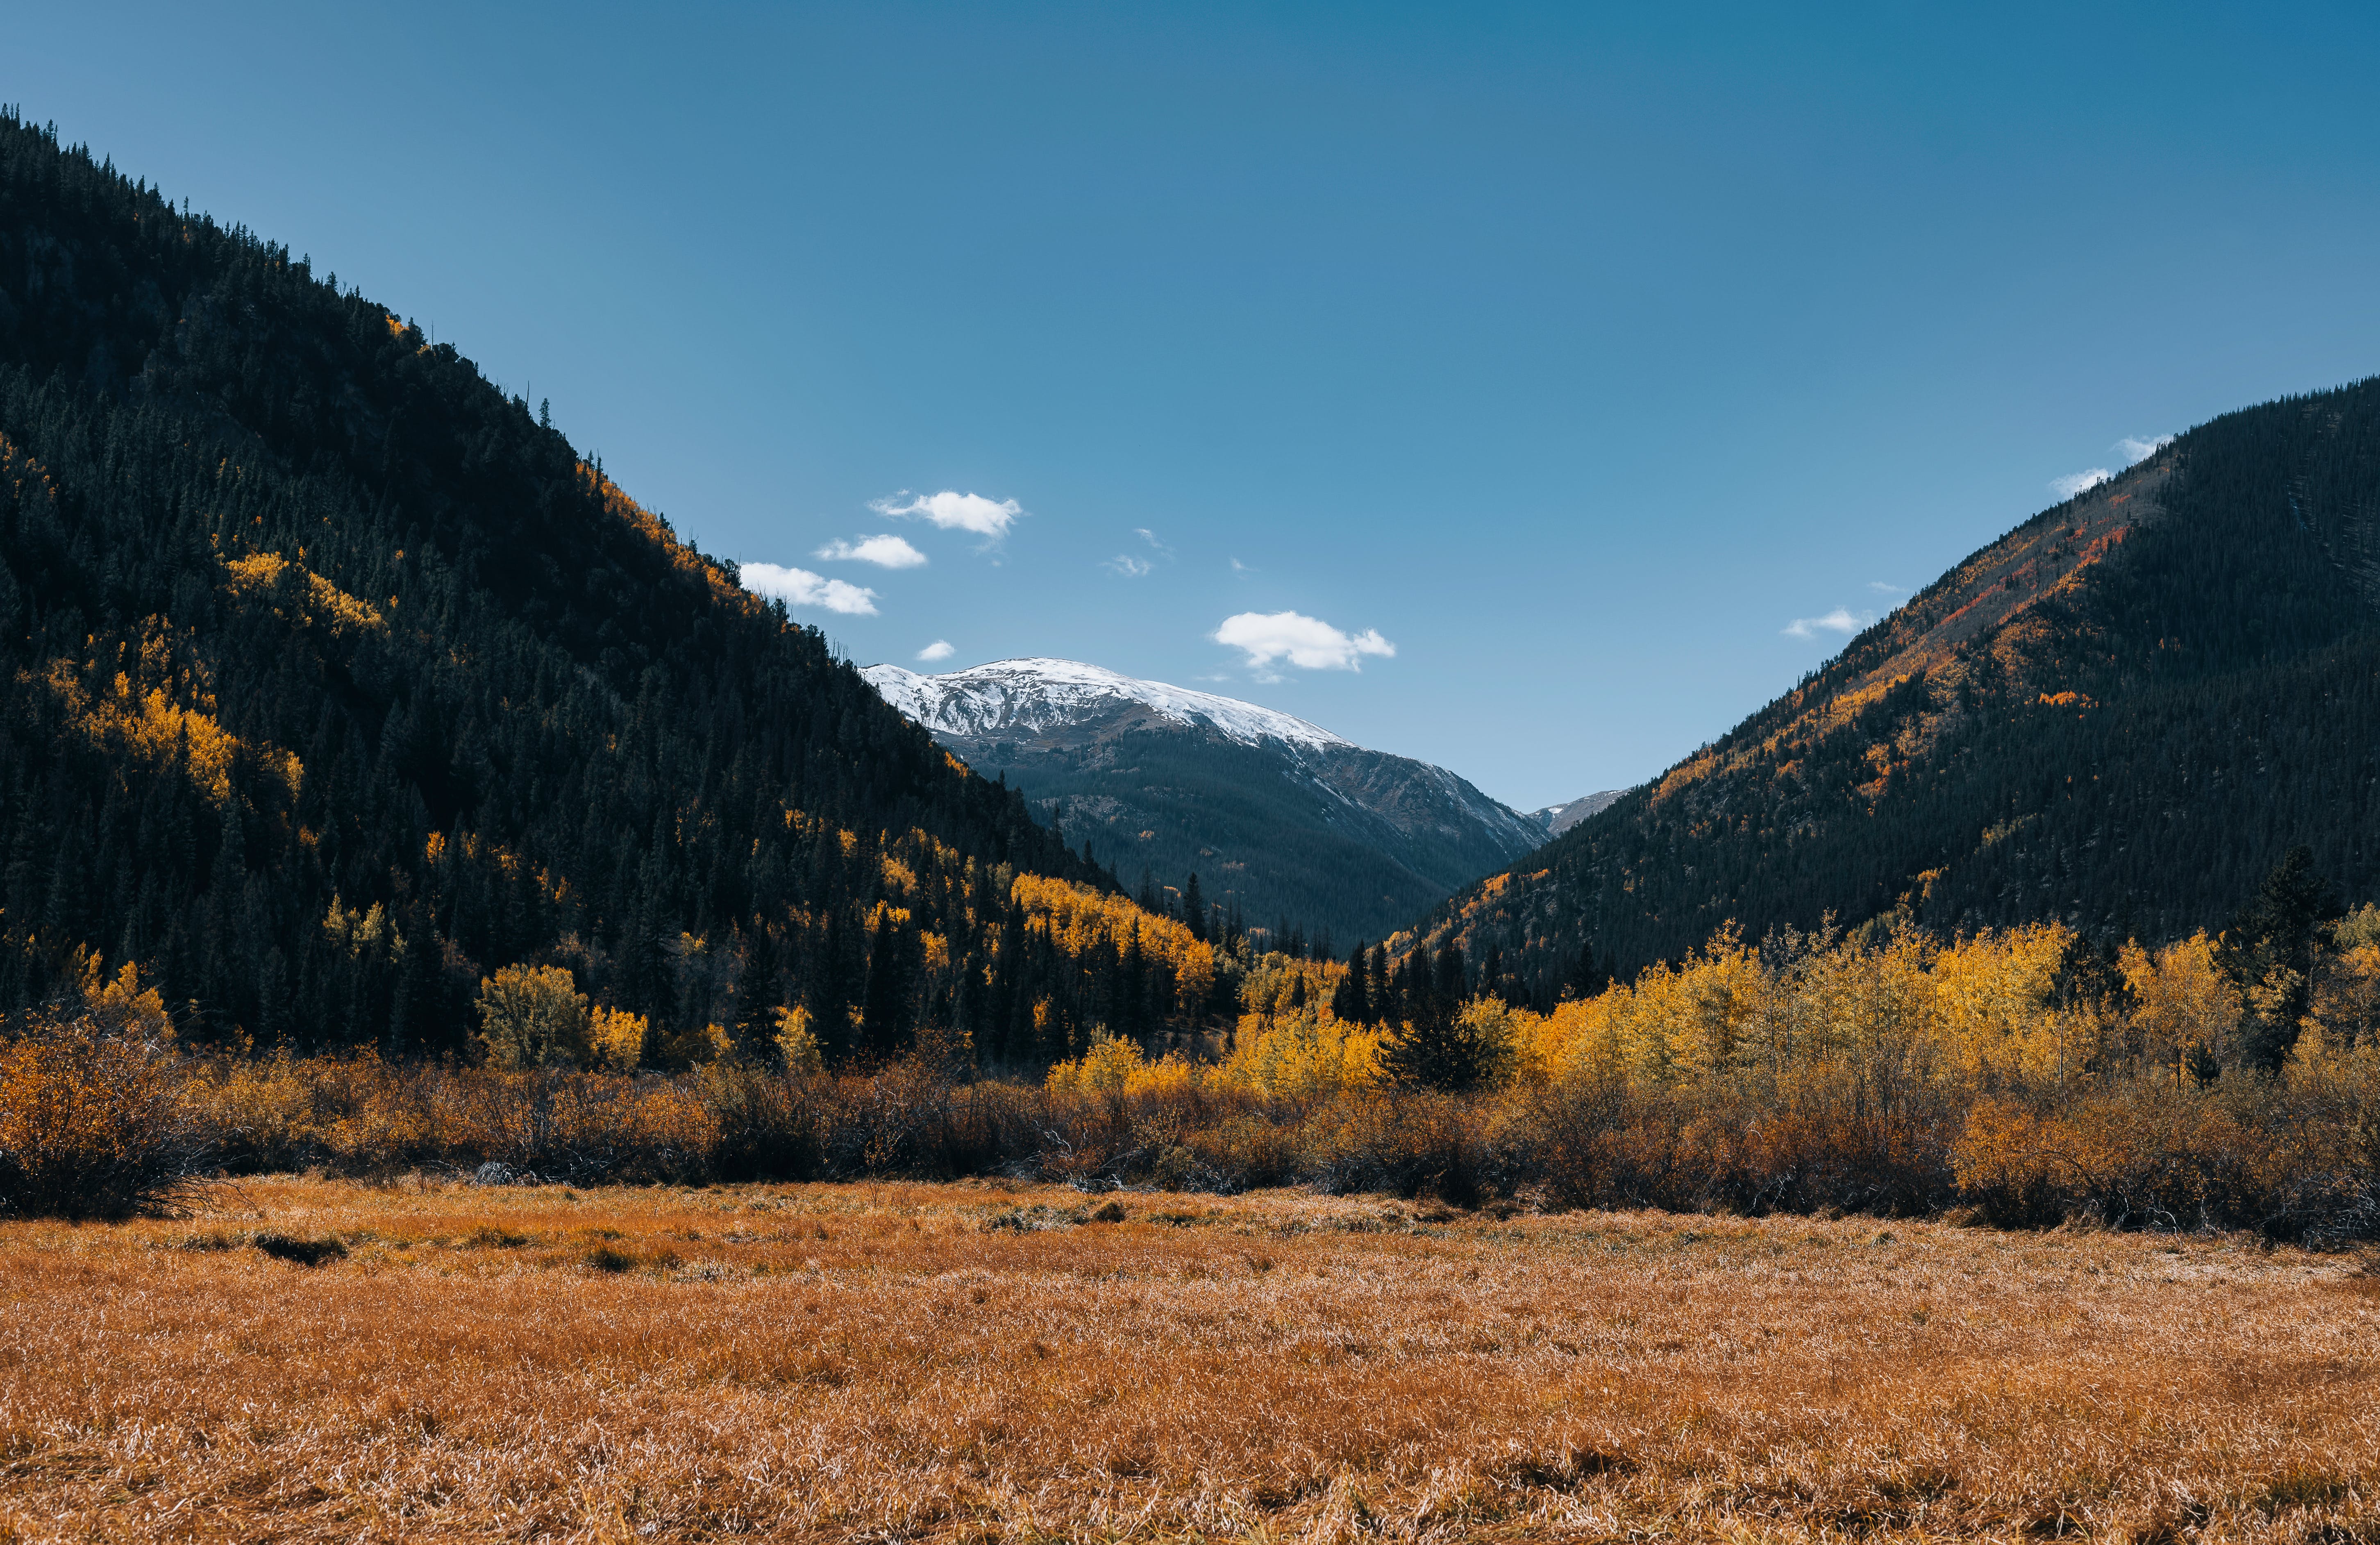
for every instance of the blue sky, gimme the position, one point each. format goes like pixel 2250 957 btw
pixel 1524 373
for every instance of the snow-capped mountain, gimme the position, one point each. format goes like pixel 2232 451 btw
pixel 1027 697
pixel 1280 816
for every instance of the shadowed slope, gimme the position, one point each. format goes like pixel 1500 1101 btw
pixel 2118 715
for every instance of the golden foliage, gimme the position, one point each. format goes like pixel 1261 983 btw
pixel 1078 919
pixel 533 1016
pixel 121 1004
pixel 617 1040
pixel 1110 1065
pixel 797 1045
pixel 324 604
pixel 164 719
pixel 2181 1002
pixel 1306 1055
pixel 94 1116
pixel 616 503
pixel 367 933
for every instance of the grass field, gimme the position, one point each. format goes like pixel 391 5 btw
pixel 975 1362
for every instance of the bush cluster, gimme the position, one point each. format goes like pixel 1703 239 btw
pixel 2014 1073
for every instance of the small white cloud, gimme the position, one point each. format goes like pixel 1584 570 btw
pixel 799 587
pixel 1842 619
pixel 988 518
pixel 885 551
pixel 1128 565
pixel 1144 534
pixel 1239 567
pixel 1306 642
pixel 1881 588
pixel 2075 482
pixel 2138 448
pixel 939 649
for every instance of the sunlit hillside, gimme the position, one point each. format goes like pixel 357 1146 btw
pixel 339 692
pixel 2116 716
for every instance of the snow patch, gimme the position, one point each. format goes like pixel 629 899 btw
pixel 1027 697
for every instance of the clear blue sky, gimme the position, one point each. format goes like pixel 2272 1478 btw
pixel 1576 351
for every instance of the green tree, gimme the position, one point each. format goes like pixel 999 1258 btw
pixel 2271 950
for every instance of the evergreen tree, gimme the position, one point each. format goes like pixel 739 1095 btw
pixel 1451 983
pixel 2270 950
pixel 1436 1049
pixel 1351 1000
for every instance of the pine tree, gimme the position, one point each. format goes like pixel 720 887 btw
pixel 884 1015
pixel 2269 952
pixel 1452 984
pixel 1351 1000
pixel 1437 1049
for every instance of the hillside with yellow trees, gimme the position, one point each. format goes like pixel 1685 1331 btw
pixel 2117 717
pixel 351 707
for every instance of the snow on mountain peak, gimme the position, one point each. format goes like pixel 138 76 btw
pixel 1027 697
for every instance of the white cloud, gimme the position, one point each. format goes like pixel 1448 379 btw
pixel 885 551
pixel 1239 567
pixel 1881 588
pixel 2075 482
pixel 1144 534
pixel 988 518
pixel 939 649
pixel 2136 448
pixel 799 587
pixel 1306 642
pixel 1128 565
pixel 1842 619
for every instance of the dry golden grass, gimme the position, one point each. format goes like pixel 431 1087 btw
pixel 968 1362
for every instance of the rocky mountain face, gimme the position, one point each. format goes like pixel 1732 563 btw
pixel 1558 819
pixel 2120 714
pixel 1281 817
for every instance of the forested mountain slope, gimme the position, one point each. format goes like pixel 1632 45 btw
pixel 331 678
pixel 1286 821
pixel 2119 715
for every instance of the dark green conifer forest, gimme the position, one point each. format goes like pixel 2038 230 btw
pixel 2121 715
pixel 332 678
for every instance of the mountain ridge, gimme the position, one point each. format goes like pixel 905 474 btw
pixel 2118 715
pixel 336 684
pixel 1297 825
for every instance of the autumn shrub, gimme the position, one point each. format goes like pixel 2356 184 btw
pixel 94 1121
pixel 1886 1072
pixel 2252 1154
pixel 1409 1144
pixel 771 1124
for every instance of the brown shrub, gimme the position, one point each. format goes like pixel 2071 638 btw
pixel 94 1122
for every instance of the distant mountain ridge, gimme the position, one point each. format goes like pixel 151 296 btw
pixel 1029 697
pixel 1558 819
pixel 1278 816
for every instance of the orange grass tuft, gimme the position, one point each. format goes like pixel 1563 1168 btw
pixel 972 1361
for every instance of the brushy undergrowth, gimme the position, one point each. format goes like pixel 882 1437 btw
pixel 101 1124
pixel 98 1120
pixel 2013 1074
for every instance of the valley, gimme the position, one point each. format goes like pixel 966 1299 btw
pixel 977 1361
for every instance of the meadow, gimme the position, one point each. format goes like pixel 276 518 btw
pixel 425 1359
